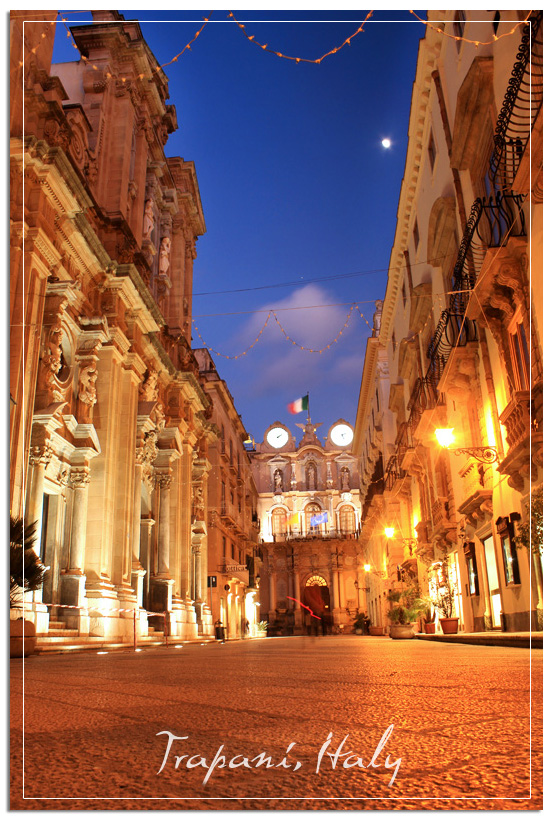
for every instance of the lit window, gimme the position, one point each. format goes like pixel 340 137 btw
pixel 520 355
pixel 472 569
pixel 279 521
pixel 508 549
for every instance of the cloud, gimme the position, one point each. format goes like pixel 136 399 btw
pixel 301 319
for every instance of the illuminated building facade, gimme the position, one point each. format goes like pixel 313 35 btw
pixel 232 521
pixel 308 506
pixel 110 428
pixel 459 342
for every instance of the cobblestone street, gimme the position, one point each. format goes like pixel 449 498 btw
pixel 460 717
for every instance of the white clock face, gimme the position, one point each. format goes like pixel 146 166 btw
pixel 277 437
pixel 342 435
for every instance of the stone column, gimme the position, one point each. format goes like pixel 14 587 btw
pixel 162 582
pixel 137 570
pixel 197 552
pixel 73 578
pixel 38 459
pixel 163 480
pixel 272 589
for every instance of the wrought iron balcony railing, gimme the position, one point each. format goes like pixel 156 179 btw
pixel 521 105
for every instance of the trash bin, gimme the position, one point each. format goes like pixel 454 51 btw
pixel 220 633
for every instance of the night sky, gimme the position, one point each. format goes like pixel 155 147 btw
pixel 299 195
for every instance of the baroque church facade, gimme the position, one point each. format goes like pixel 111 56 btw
pixel 309 514
pixel 110 425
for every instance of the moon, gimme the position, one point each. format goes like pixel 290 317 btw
pixel 386 143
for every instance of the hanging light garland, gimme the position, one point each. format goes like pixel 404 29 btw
pixel 310 349
pixel 467 39
pixel 265 47
pixel 353 306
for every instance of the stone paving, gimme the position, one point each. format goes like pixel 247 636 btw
pixel 460 717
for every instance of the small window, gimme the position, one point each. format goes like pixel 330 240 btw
pixel 431 151
pixel 404 293
pixel 505 530
pixel 459 27
pixel 416 237
pixel 377 403
pixel 233 551
pixel 394 344
pixel 520 355
pixel 472 569
pixel 224 547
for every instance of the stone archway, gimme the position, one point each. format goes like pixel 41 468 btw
pixel 316 596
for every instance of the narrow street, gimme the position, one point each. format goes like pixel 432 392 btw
pixel 460 715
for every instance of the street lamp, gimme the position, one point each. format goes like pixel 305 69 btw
pixel 407 542
pixel 484 455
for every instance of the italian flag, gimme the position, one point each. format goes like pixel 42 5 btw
pixel 299 405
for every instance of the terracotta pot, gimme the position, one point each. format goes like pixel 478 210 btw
pixel 22 638
pixel 430 629
pixel 376 630
pixel 450 626
pixel 402 631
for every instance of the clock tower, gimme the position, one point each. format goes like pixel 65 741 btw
pixel 309 513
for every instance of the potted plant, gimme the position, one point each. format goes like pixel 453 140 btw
pixel 429 616
pixel 444 599
pixel 261 628
pixel 405 606
pixel 359 623
pixel 26 574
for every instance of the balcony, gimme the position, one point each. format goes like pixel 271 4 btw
pixel 424 397
pixel 522 428
pixel 229 515
pixel 477 482
pixel 522 106
pixel 443 526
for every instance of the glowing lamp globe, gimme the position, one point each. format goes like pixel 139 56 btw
pixel 445 436
pixel 389 532
pixel 367 567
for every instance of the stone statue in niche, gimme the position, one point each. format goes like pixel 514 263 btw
pixel 148 389
pixel 87 388
pixel 345 479
pixel 278 481
pixel 54 350
pixel 164 256
pixel 148 224
pixel 198 506
pixel 311 477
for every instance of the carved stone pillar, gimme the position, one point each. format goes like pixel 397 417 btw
pixel 38 459
pixel 272 589
pixel 163 480
pixel 144 457
pixel 162 582
pixel 73 578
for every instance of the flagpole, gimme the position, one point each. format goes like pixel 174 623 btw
pixel 308 411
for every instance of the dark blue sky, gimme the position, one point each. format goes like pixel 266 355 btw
pixel 295 186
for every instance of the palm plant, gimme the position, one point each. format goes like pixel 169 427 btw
pixel 405 605
pixel 26 569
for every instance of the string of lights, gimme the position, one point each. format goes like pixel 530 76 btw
pixel 352 306
pixel 310 349
pixel 467 39
pixel 141 76
pixel 265 47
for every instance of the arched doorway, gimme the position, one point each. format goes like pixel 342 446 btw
pixel 316 596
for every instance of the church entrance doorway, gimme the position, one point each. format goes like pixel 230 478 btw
pixel 316 596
